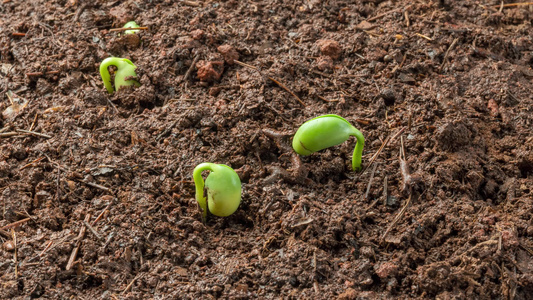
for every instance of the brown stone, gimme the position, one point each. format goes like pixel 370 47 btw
pixel 209 71
pixel 197 34
pixel 330 48
pixel 386 269
pixel 364 25
pixel 229 53
pixel 9 246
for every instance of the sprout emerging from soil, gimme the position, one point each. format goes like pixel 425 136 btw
pixel 326 131
pixel 223 188
pixel 131 24
pixel 124 76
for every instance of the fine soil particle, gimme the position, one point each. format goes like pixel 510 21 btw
pixel 96 192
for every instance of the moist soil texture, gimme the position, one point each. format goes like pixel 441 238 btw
pixel 97 199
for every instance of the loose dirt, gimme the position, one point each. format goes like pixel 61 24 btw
pixel 96 192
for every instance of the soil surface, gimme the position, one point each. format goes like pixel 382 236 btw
pixel 96 191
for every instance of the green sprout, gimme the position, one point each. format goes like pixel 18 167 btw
pixel 223 187
pixel 131 24
pixel 125 75
pixel 326 131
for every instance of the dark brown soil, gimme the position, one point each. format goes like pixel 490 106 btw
pixel 451 222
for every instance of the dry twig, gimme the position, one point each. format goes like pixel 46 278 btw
pixel 404 169
pixel 385 143
pixel 191 3
pixel 326 100
pixel 78 243
pixel 41 73
pixel 370 181
pixel 95 185
pixel 15 224
pixel 5 233
pixel 15 258
pixel 113 106
pixel 101 214
pixel 92 230
pixel 49 246
pixel 513 4
pixel 8 134
pixel 34 133
pixel 386 190
pixel 396 219
pixel 33 123
pixel 46 248
pixel 287 89
pixel 388 13
pixel 131 284
pixel 189 71
pixel 423 36
pixel 447 53
pixel 79 12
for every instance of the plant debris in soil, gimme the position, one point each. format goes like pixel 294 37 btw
pixel 96 192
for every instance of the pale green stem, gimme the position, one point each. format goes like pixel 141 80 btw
pixel 104 72
pixel 358 151
pixel 200 184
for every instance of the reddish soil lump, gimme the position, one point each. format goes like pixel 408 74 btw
pixel 330 48
pixel 197 34
pixel 209 71
pixel 386 269
pixel 229 53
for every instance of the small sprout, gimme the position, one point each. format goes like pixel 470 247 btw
pixel 124 76
pixel 326 131
pixel 131 24
pixel 223 188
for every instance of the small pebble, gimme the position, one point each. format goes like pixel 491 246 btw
pixel 9 246
pixel 330 48
pixel 293 34
pixel 197 34
pixel 229 53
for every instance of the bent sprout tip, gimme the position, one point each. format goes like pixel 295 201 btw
pixel 131 24
pixel 326 131
pixel 125 75
pixel 223 188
